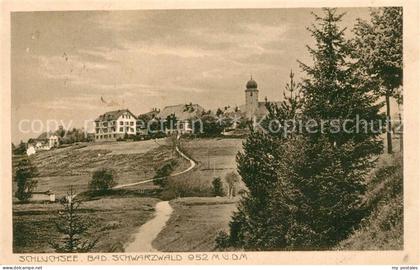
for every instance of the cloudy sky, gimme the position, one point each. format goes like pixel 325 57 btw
pixel 64 62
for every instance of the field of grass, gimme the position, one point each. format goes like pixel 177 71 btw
pixel 214 157
pixel 82 159
pixel 132 161
pixel 115 218
pixel 195 223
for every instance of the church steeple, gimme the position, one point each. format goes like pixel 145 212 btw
pixel 251 84
pixel 251 98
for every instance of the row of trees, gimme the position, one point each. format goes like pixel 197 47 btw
pixel 305 189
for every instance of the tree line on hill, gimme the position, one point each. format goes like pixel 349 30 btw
pixel 305 190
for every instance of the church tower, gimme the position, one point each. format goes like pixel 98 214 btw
pixel 251 98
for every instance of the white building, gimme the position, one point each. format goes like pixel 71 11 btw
pixel 45 196
pixel 30 150
pixel 115 124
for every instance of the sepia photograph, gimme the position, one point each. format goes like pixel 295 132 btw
pixel 228 130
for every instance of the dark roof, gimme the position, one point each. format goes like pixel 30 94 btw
pixel 149 115
pixel 45 135
pixel 182 111
pixel 113 115
pixel 48 192
pixel 251 84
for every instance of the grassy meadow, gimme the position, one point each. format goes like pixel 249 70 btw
pixel 215 157
pixel 114 219
pixel 74 165
pixel 117 215
pixel 195 224
pixel 198 216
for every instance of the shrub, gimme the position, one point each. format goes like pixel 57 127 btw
pixel 20 149
pixel 232 179
pixel 102 180
pixel 222 241
pixel 162 173
pixel 218 187
pixel 25 173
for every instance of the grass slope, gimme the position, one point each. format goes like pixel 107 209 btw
pixel 115 218
pixel 132 161
pixel 215 157
pixel 194 224
pixel 383 229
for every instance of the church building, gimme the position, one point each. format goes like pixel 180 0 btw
pixel 253 107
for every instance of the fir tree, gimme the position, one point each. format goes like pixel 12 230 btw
pixel 334 92
pixel 379 55
pixel 253 226
pixel 73 226
pixel 324 174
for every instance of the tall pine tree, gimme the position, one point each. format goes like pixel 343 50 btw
pixel 305 190
pixel 253 225
pixel 379 55
pixel 334 161
pixel 334 93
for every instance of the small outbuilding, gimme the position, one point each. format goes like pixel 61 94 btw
pixel 43 196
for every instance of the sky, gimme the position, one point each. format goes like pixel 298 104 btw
pixel 69 67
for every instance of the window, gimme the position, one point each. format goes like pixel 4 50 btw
pixel 131 123
pixel 121 129
pixel 121 123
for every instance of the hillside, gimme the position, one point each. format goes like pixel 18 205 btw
pixel 132 162
pixel 383 228
pixel 195 224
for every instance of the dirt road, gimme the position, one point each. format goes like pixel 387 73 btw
pixel 144 237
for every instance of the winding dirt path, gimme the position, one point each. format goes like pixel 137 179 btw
pixel 145 235
pixel 192 165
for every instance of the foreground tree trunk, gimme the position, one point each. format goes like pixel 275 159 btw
pixel 401 132
pixel 388 126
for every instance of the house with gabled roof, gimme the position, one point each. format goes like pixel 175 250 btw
pixel 184 114
pixel 115 124
pixel 145 122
